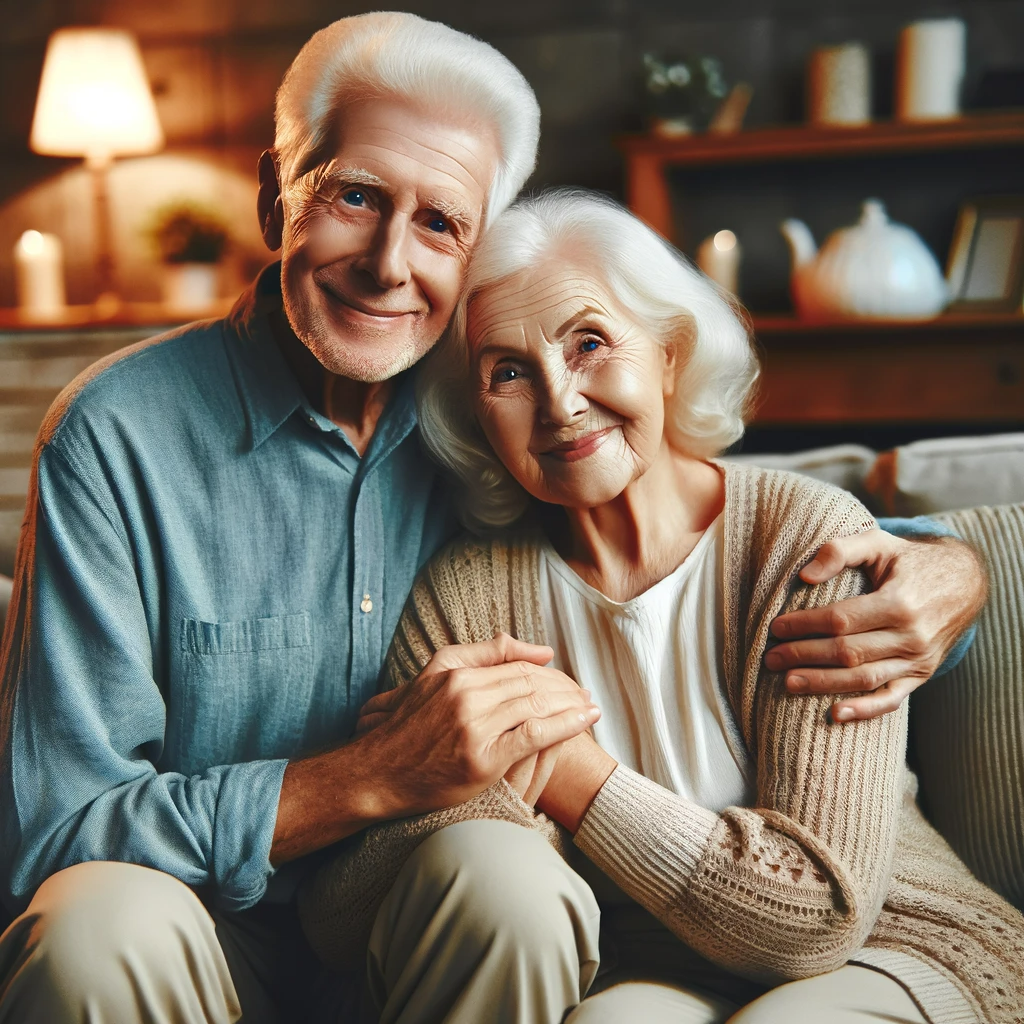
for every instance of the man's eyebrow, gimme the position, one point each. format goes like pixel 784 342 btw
pixel 333 174
pixel 320 181
pixel 452 210
pixel 358 176
pixel 578 315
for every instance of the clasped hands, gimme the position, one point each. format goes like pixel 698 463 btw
pixel 480 712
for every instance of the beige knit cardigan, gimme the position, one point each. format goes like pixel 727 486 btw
pixel 835 864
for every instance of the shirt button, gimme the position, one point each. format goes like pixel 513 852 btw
pixel 366 605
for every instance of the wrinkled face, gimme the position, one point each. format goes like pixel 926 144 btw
pixel 569 391
pixel 376 238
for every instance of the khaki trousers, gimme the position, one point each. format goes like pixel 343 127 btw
pixel 648 975
pixel 851 995
pixel 485 923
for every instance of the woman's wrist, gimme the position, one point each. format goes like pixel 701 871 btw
pixel 582 770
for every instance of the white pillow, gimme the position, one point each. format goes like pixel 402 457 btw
pixel 845 465
pixel 950 473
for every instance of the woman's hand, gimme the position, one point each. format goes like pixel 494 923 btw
pixel 579 772
pixel 529 777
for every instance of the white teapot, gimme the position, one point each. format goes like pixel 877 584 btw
pixel 874 270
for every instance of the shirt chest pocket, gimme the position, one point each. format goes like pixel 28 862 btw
pixel 245 692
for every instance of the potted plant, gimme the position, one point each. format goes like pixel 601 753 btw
pixel 191 240
pixel 682 93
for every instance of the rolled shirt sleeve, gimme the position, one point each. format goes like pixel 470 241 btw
pixel 918 528
pixel 84 720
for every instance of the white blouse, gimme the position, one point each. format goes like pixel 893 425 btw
pixel 654 667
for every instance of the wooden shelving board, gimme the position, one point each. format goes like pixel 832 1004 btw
pixel 128 314
pixel 798 142
pixel 948 323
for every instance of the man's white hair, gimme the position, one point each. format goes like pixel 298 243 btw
pixel 397 55
pixel 653 283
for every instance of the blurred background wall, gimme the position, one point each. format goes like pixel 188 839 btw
pixel 214 66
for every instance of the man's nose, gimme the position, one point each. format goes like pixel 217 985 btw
pixel 563 403
pixel 387 259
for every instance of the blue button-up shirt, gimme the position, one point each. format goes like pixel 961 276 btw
pixel 208 582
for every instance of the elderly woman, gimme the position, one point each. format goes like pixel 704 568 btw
pixel 736 838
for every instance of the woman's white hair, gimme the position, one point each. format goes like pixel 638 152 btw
pixel 653 283
pixel 398 55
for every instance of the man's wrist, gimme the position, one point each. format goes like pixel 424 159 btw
pixel 333 795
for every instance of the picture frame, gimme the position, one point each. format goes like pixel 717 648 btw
pixel 985 270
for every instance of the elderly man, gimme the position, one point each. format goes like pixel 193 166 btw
pixel 223 527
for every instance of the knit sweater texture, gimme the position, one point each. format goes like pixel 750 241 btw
pixel 834 864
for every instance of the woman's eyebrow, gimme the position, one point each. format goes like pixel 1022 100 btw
pixel 576 317
pixel 488 346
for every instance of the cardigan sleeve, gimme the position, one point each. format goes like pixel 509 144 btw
pixel 788 889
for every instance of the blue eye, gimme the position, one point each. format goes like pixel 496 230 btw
pixel 438 224
pixel 505 375
pixel 589 345
pixel 354 197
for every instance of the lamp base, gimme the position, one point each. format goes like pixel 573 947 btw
pixel 99 166
pixel 107 305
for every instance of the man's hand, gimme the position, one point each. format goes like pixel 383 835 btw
pixel 472 713
pixel 888 642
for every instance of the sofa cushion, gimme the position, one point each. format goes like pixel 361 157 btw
pixel 845 465
pixel 968 725
pixel 948 473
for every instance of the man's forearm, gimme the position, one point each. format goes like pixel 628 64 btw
pixel 328 797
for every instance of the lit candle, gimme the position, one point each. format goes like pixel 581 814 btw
pixel 39 268
pixel 719 258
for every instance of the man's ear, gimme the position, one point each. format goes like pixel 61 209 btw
pixel 268 203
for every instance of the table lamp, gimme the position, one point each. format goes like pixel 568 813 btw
pixel 95 102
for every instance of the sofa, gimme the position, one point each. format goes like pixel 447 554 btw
pixel 967 727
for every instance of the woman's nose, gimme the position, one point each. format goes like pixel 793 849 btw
pixel 387 261
pixel 562 404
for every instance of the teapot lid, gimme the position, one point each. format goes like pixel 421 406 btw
pixel 872 213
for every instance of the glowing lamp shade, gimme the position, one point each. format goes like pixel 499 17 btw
pixel 94 98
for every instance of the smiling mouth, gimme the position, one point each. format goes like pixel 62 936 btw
pixel 580 447
pixel 361 310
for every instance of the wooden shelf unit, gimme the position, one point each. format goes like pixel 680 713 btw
pixel 955 369
pixel 648 156
pixel 128 314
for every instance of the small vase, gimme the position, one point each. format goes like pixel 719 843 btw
pixel 930 64
pixel 190 288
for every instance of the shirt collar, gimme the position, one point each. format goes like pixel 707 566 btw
pixel 267 386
